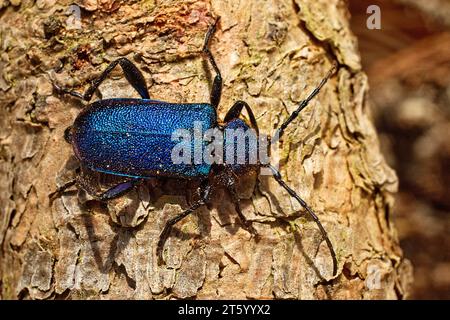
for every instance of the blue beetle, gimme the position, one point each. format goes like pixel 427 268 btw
pixel 132 138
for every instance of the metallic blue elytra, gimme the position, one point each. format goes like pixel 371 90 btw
pixel 133 137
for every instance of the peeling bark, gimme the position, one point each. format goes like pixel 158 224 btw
pixel 271 55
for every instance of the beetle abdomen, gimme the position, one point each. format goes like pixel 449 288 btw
pixel 133 137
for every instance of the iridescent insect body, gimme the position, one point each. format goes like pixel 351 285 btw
pixel 132 138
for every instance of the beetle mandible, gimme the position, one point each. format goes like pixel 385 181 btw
pixel 132 138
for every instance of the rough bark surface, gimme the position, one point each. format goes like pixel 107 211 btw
pixel 271 54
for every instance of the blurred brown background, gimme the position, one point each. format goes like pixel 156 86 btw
pixel 408 64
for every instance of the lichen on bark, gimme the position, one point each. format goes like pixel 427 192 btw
pixel 271 54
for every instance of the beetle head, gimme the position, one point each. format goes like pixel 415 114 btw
pixel 240 147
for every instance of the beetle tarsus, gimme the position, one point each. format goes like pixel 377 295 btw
pixel 52 196
pixel 62 90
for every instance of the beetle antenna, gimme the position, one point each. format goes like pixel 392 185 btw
pixel 279 179
pixel 303 104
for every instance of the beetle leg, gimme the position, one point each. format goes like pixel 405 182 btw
pixel 279 179
pixel 216 91
pixel 247 224
pixel 131 72
pixel 168 228
pixel 67 91
pixel 236 110
pixel 114 192
pixel 61 190
pixel 117 190
pixel 80 180
pixel 169 224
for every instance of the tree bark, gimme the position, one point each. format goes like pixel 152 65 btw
pixel 271 54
